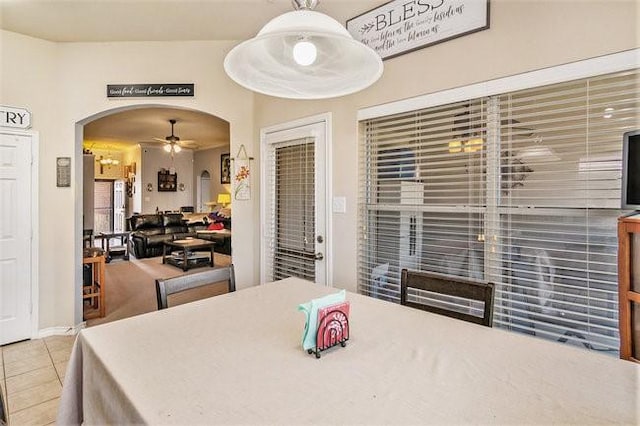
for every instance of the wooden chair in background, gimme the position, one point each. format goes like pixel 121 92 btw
pixel 168 286
pixel 94 290
pixel 461 293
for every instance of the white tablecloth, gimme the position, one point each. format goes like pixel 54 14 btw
pixel 237 359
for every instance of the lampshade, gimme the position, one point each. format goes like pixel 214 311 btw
pixel 303 54
pixel 224 199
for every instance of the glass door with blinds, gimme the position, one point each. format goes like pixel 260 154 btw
pixel 423 198
pixel 520 189
pixel 295 204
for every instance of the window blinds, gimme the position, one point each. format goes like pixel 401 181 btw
pixel 560 153
pixel 422 195
pixel 291 229
pixel 521 189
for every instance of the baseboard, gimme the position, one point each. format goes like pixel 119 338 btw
pixel 60 331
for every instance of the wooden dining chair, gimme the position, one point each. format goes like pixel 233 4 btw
pixel 169 286
pixel 454 296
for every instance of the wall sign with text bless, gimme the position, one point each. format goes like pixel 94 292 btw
pixel 148 90
pixel 402 26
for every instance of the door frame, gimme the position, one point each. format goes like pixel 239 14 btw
pixel 35 241
pixel 322 119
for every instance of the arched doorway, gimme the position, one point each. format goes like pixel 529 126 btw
pixel 144 129
pixel 203 190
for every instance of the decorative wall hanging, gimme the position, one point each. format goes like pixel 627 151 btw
pixel 167 182
pixel 149 90
pixel 15 117
pixel 242 174
pixel 63 172
pixel 130 178
pixel 402 26
pixel 225 168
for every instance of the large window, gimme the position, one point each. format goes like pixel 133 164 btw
pixel 520 189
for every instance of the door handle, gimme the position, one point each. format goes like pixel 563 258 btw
pixel 318 256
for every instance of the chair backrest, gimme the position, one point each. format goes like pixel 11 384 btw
pixel 457 288
pixel 168 286
pixel 3 409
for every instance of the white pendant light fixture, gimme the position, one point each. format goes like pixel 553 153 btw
pixel 303 54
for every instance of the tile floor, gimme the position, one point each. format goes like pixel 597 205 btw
pixel 31 377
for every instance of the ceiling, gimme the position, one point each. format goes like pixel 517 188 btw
pixel 124 129
pixel 155 20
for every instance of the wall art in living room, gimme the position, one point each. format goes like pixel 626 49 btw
pixel 225 168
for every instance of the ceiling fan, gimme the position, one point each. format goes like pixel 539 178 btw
pixel 173 144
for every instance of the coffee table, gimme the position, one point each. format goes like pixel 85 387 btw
pixel 187 257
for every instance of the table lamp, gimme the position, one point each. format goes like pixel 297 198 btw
pixel 224 199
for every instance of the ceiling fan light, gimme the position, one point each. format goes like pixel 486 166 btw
pixel 269 63
pixel 177 148
pixel 167 147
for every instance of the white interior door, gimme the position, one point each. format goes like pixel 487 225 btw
pixel 15 238
pixel 119 215
pixel 295 203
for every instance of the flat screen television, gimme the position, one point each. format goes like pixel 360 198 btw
pixel 631 170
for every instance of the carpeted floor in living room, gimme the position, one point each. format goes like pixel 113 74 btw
pixel 131 286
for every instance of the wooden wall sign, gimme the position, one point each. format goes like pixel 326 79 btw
pixel 402 26
pixel 149 90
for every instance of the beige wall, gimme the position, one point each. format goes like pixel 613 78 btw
pixel 156 158
pixel 524 36
pixel 64 84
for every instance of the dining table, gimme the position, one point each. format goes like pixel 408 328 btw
pixel 237 358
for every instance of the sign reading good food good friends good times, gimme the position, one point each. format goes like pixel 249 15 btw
pixel 402 26
pixel 149 90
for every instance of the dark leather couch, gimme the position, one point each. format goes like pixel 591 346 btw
pixel 222 240
pixel 150 231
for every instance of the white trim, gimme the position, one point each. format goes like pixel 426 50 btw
pixel 325 119
pixel 60 331
pixel 615 62
pixel 35 230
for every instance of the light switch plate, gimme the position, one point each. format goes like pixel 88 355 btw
pixel 339 204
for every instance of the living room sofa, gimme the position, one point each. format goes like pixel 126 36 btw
pixel 221 237
pixel 150 231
